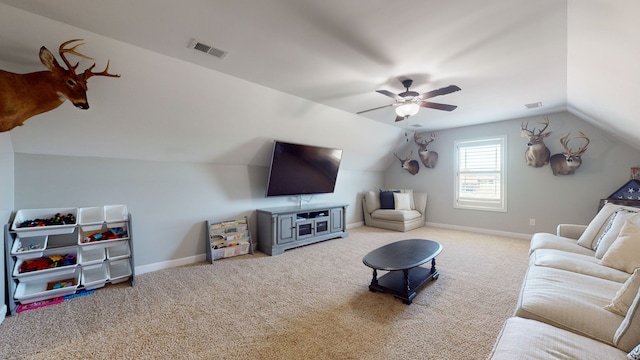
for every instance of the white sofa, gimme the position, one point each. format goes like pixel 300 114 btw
pixel 402 216
pixel 579 298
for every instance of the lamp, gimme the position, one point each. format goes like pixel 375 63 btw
pixel 408 109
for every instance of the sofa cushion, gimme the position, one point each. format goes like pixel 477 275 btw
pixel 597 226
pixel 624 297
pixel 578 263
pixel 401 201
pixel 386 199
pixel 610 234
pixel 531 340
pixel 372 199
pixel 550 241
pixel 395 215
pixel 570 301
pixel 624 253
pixel 628 334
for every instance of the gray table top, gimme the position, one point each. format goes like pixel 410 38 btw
pixel 402 255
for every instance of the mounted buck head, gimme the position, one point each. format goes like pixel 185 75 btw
pixel 537 153
pixel 26 95
pixel 429 158
pixel 567 162
pixel 412 166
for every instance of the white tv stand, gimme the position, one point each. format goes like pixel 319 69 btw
pixel 287 227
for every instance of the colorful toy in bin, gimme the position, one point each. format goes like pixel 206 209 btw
pixel 49 262
pixel 57 219
pixel 111 234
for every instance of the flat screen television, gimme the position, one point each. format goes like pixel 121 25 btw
pixel 298 169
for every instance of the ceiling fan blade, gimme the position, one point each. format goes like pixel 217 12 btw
pixel 442 91
pixel 379 107
pixel 390 94
pixel 437 106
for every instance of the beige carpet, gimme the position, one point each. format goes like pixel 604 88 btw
pixel 308 303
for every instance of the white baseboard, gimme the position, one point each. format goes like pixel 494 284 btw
pixel 202 257
pixel 170 264
pixel 481 230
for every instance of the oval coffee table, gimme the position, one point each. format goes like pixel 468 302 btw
pixel 403 259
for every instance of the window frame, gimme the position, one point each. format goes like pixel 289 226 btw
pixel 462 202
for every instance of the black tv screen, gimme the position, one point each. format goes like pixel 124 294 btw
pixel 298 169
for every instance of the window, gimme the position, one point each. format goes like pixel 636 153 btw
pixel 480 174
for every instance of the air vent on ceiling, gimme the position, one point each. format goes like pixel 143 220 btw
pixel 208 49
pixel 533 105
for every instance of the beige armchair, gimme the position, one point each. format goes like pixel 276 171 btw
pixel 402 217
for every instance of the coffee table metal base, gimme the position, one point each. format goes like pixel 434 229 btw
pixel 404 284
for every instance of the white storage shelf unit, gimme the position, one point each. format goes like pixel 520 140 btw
pixel 228 238
pixel 96 243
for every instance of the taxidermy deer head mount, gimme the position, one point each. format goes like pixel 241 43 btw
pixel 567 162
pixel 25 95
pixel 429 158
pixel 412 166
pixel 537 153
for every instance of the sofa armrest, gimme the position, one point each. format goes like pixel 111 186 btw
pixel 628 334
pixel 571 231
pixel 420 202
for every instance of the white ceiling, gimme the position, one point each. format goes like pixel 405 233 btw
pixel 575 55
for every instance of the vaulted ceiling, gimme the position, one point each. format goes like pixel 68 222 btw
pixel 575 55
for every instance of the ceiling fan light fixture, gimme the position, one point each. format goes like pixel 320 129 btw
pixel 408 109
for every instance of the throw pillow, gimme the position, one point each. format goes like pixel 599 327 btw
pixel 634 354
pixel 402 201
pixel 596 226
pixel 623 253
pixel 625 296
pixel 386 200
pixel 612 230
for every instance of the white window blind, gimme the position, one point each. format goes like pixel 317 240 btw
pixel 480 174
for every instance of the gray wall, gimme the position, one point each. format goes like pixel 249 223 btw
pixel 169 201
pixel 6 203
pixel 531 192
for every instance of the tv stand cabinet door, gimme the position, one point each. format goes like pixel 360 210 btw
pixel 337 219
pixel 286 229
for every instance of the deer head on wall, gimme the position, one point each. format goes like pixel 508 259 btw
pixel 412 166
pixel 25 95
pixel 567 162
pixel 429 158
pixel 537 153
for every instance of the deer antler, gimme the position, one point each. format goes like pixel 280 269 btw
pixel 565 142
pixel 72 51
pixel 88 73
pixel 524 132
pixel 424 143
pixel 583 136
pixel 545 123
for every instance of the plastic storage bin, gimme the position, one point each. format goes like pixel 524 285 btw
pixel 98 238
pixel 91 218
pixel 88 256
pixel 43 287
pixel 62 251
pixel 29 247
pixel 115 215
pixel 119 270
pixel 32 214
pixel 94 276
pixel 119 251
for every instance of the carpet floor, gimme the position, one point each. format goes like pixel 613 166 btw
pixel 311 302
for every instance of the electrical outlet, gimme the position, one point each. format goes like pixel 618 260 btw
pixel 532 222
